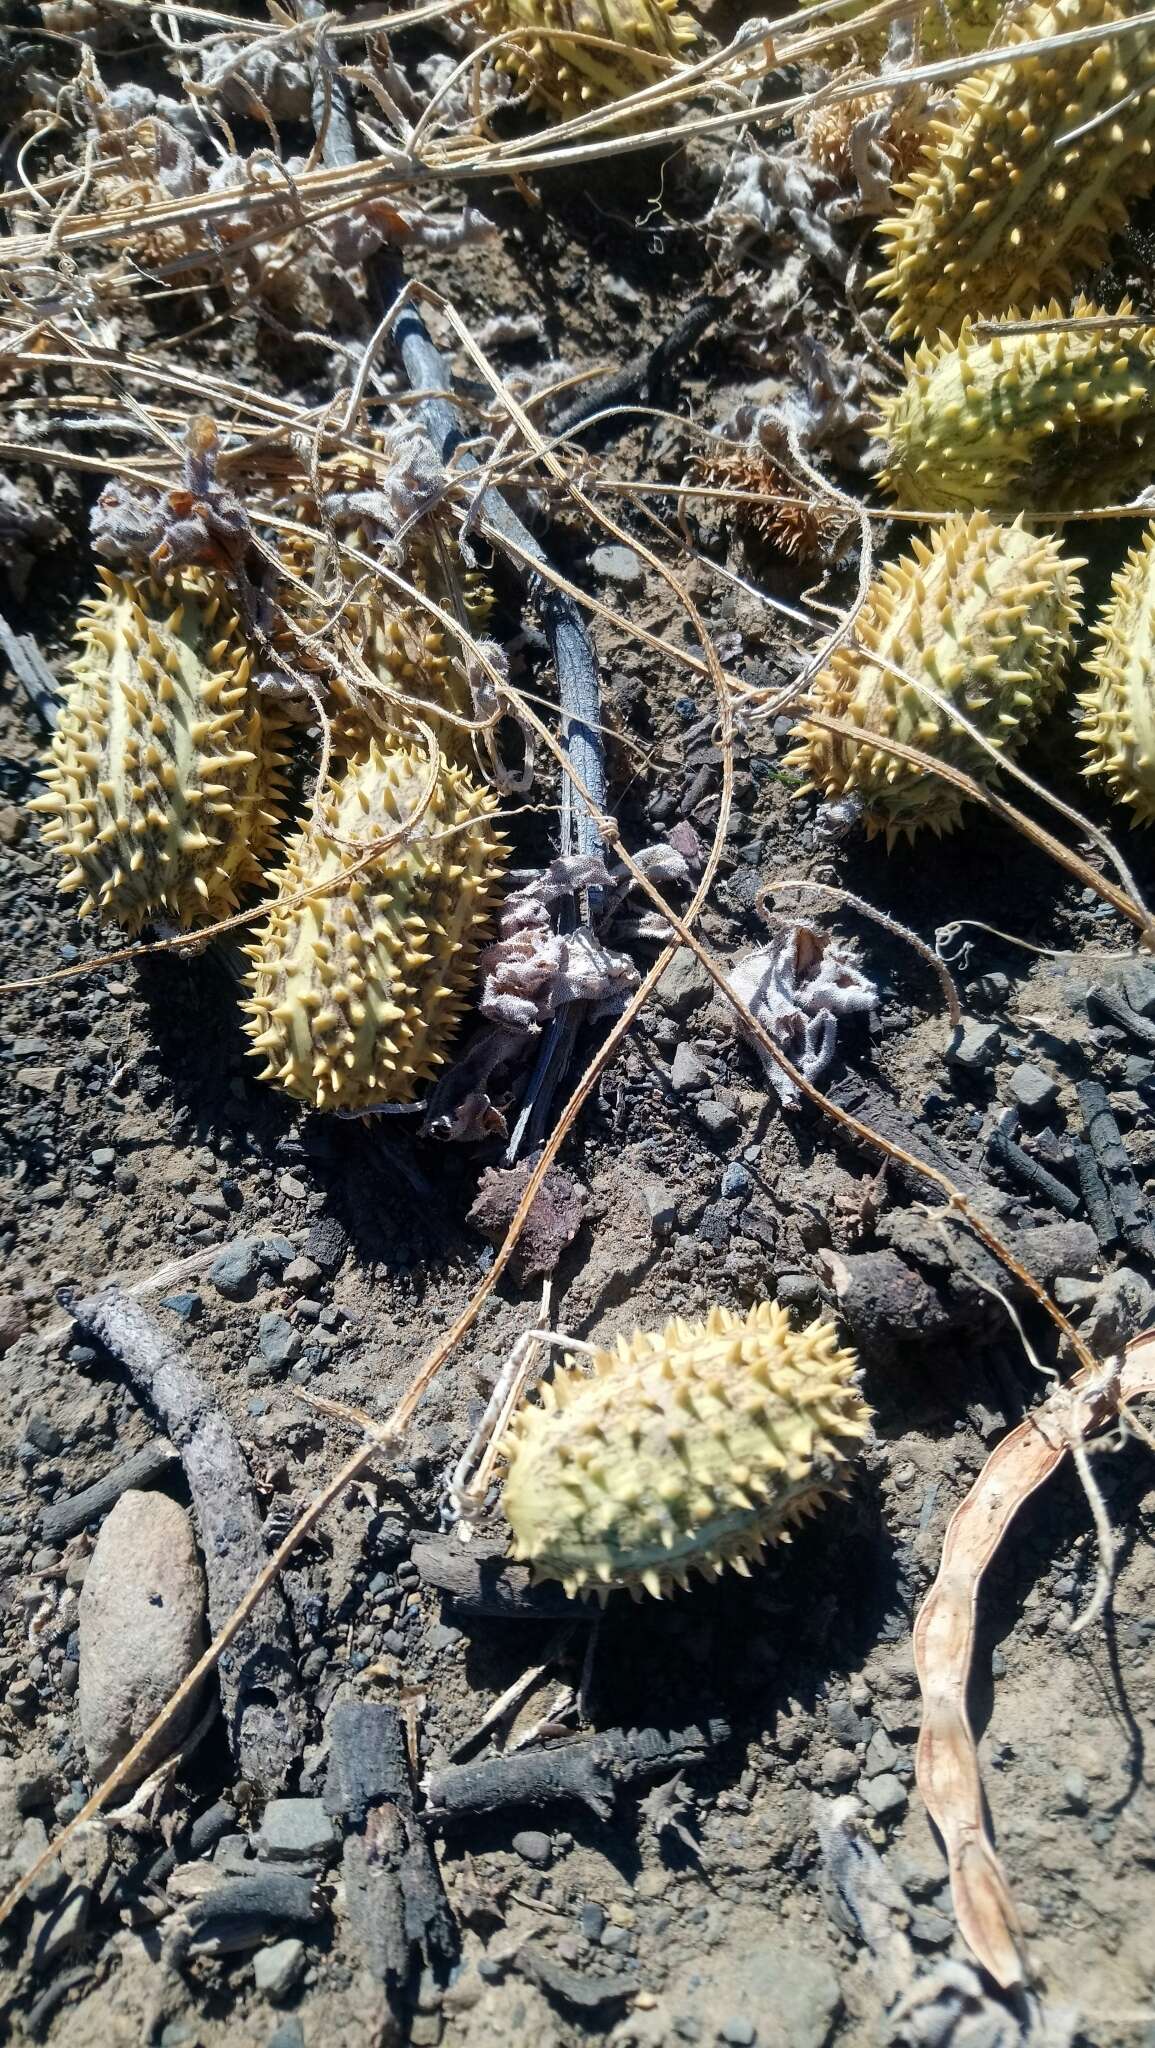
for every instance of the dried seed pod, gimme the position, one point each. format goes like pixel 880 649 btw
pixel 567 77
pixel 1118 722
pixel 804 526
pixel 1045 420
pixel 357 991
pixel 1026 184
pixel 681 1451
pixel 165 774
pixel 983 616
pixel 899 124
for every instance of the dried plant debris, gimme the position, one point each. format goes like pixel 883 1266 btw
pixel 1118 721
pixel 566 74
pixel 680 1451
pixel 976 626
pixel 798 986
pixel 165 775
pixel 359 979
pixel 26 526
pixel 775 196
pixel 871 142
pixel 787 516
pixel 1024 187
pixel 1046 415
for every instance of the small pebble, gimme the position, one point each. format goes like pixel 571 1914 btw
pixel 738 2033
pixel 975 1047
pixel 533 1847
pixel 887 1795
pixel 619 565
pixel 277 1970
pixel 235 1271
pixel 1033 1090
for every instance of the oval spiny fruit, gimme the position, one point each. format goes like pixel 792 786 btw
pixel 1118 724
pixel 1026 184
pixel 983 616
pixel 165 773
pixel 568 77
pixel 405 646
pixel 1039 420
pixel 357 991
pixel 970 24
pixel 680 1452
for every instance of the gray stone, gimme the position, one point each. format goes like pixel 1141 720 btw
pixel 881 1754
pixel 1033 1090
pixel 278 1970
pixel 279 1343
pixel 797 1291
pixel 142 1610
pixel 838 1767
pixel 687 1072
pixel 735 1180
pixel 930 1928
pixel 296 1831
pixel 533 1847
pixel 887 1795
pixel 975 1047
pixel 44 1434
pixel 235 1271
pixel 1139 986
pixel 327 1244
pixel 662 1207
pixel 301 1273
pixel 684 986
pixel 715 1119
pixel 1121 1305
pixel 738 2033
pixel 616 564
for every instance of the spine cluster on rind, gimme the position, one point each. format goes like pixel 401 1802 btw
pixel 977 622
pixel 1032 417
pixel 1118 713
pixel 681 1451
pixel 1023 187
pixel 165 775
pixel 355 991
pixel 568 76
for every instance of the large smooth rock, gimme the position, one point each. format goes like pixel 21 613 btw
pixel 142 1609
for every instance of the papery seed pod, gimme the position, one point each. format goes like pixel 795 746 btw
pixel 165 775
pixel 681 1451
pixel 1046 419
pixel 982 617
pixel 567 77
pixel 1118 722
pixel 1024 186
pixel 356 992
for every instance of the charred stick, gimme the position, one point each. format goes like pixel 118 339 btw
pixel 1123 1190
pixel 481 1580
pixel 241 1911
pixel 873 1106
pixel 588 1772
pixel 1102 1002
pixel 32 673
pixel 1096 1200
pixel 1003 1150
pixel 574 659
pixel 67 1517
pixel 258 1678
pixel 394 1900
pixel 644 376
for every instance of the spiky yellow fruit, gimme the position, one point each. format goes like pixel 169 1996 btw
pixel 1025 185
pixel 567 76
pixel 418 659
pixel 982 618
pixel 356 991
pixel 680 1452
pixel 165 774
pixel 942 25
pixel 1118 722
pixel 1043 420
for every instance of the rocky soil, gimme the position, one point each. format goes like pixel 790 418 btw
pixel 288 1255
